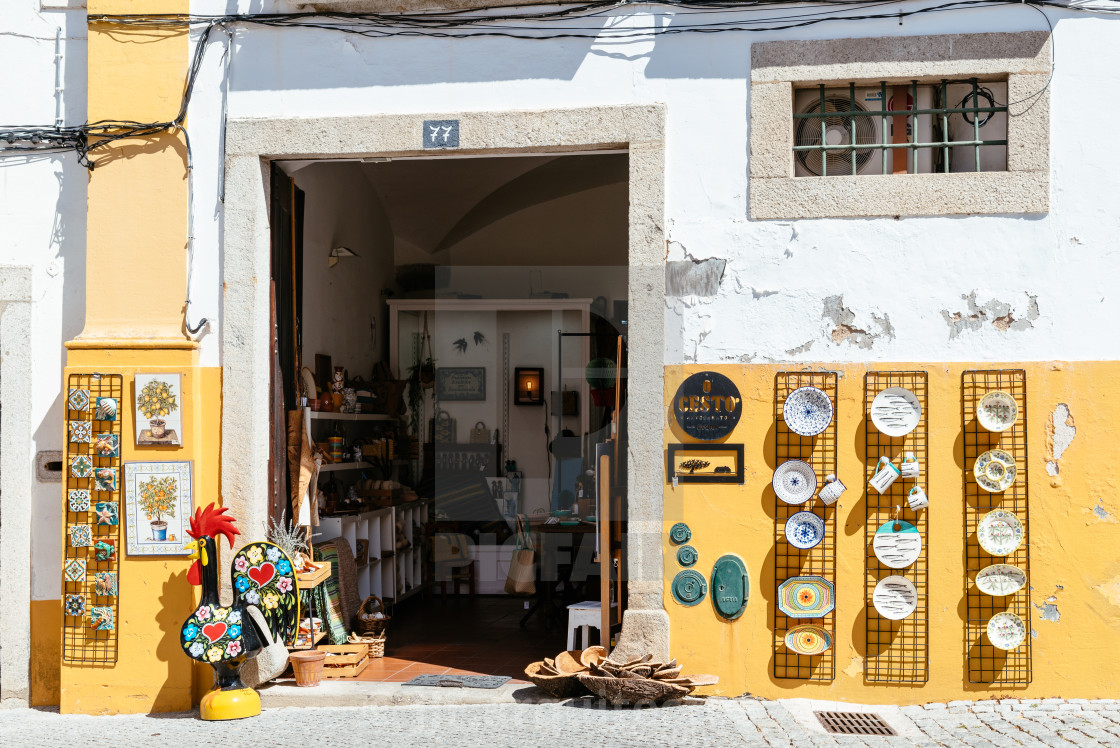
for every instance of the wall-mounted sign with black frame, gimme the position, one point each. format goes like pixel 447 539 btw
pixel 706 463
pixel 707 406
pixel 461 383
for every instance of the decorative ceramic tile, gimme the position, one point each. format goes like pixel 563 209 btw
pixel 105 549
pixel 78 499
pixel 78 399
pixel 74 605
pixel 107 445
pixel 105 479
pixel 106 513
pixel 75 570
pixel 80 432
pixel 101 618
pixel 105 583
pixel 81 536
pixel 81 466
pixel 106 409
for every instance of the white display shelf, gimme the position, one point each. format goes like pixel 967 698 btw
pixel 332 416
pixel 334 466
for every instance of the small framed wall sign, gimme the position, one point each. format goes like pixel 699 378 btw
pixel 159 418
pixel 158 501
pixel 706 463
pixel 461 383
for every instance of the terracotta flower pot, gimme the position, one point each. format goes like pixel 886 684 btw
pixel 308 666
pixel 158 427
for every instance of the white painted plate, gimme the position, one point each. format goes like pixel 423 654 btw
pixel 896 411
pixel 897 549
pixel 999 533
pixel 807 411
pixel 804 530
pixel 997 411
pixel 1000 579
pixel 994 470
pixel 1006 631
pixel 895 598
pixel 795 481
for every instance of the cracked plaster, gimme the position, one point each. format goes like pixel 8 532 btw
pixel 1000 314
pixel 844 329
pixel 1060 430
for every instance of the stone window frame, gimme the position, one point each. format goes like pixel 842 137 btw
pixel 777 68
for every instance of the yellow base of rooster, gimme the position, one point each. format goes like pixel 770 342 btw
pixel 234 704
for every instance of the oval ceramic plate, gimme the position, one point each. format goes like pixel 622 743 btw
pixel 795 482
pixel 997 411
pixel 899 548
pixel 808 640
pixel 994 470
pixel 804 530
pixel 806 597
pixel 807 411
pixel 999 532
pixel 1000 579
pixel 895 598
pixel 1006 631
pixel 896 411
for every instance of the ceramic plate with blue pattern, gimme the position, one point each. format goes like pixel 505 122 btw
pixel 807 411
pixel 804 530
pixel 795 481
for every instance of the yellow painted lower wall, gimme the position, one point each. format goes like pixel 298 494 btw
pixel 46 651
pixel 1074 539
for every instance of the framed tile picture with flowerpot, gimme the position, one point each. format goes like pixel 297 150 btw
pixel 159 418
pixel 158 501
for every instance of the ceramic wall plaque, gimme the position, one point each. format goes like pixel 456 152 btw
pixel 105 479
pixel 81 432
pixel 159 419
pixel 158 504
pixel 106 410
pixel 74 570
pixel 105 513
pixel 78 399
pixel 707 406
pixel 78 500
pixel 107 445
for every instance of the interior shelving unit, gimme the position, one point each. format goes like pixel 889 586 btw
pixel 986 663
pixel 390 574
pixel 820 452
pixel 897 651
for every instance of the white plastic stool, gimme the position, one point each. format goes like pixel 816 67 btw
pixel 583 616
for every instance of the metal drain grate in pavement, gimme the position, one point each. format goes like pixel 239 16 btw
pixel 854 723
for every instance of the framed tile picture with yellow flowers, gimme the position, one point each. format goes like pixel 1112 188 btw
pixel 157 507
pixel 159 415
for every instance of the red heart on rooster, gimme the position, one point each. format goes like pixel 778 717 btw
pixel 262 574
pixel 214 631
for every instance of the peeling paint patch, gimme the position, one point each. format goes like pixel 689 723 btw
pixel 843 327
pixel 855 668
pixel 694 277
pixel 1060 430
pixel 1000 314
pixel 1048 611
pixel 1111 591
pixel 1101 513
pixel 761 293
pixel 803 348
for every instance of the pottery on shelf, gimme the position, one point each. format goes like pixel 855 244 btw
pixel 896 411
pixel 807 411
pixel 795 481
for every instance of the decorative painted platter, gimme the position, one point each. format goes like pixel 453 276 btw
pixel 896 411
pixel 997 411
pixel 795 481
pixel 994 470
pixel 1006 631
pixel 895 598
pixel 808 640
pixel 807 411
pixel 899 548
pixel 1000 579
pixel 999 532
pixel 806 597
pixel 804 530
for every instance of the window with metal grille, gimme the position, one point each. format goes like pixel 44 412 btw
pixel 908 128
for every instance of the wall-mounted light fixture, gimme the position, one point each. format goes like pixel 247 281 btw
pixel 528 383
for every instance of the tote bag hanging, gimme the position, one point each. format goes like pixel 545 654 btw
pixel 522 577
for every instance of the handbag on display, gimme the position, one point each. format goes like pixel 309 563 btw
pixel 480 434
pixel 522 577
pixel 270 661
pixel 443 428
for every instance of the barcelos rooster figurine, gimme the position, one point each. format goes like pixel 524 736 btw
pixel 225 637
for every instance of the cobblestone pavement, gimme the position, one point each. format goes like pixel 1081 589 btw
pixel 714 722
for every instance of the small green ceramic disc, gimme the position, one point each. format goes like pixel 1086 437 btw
pixel 687 555
pixel 679 533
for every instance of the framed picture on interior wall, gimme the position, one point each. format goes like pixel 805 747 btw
pixel 159 414
pixel 157 507
pixel 461 383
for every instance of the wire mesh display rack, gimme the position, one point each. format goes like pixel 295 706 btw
pixel 897 651
pixel 985 662
pixel 84 641
pixel 820 452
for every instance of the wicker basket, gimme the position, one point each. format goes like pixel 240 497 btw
pixel 365 623
pixel 376 644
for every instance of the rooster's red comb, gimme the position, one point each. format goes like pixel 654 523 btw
pixel 212 521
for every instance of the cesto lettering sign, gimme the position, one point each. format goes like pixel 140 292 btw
pixel 707 406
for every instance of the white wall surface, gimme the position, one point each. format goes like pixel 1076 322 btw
pixel 799 290
pixel 43 226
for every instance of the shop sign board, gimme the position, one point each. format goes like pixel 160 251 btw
pixel 707 406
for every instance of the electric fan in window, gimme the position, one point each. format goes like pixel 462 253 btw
pixel 837 131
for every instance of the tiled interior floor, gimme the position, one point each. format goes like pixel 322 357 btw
pixel 463 636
